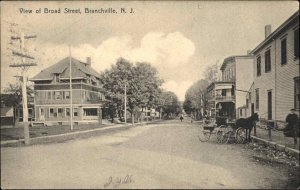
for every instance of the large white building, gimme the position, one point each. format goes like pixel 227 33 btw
pixel 276 85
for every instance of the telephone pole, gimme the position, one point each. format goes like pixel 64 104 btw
pixel 71 97
pixel 24 65
pixel 125 104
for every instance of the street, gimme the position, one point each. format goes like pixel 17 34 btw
pixel 163 155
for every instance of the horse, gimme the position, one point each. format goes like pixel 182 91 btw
pixel 248 124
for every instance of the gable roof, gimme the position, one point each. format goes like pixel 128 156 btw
pixel 79 70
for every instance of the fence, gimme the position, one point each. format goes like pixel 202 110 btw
pixel 273 131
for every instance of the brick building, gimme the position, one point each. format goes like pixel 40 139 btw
pixel 52 93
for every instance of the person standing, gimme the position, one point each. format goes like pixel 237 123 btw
pixel 181 117
pixel 292 124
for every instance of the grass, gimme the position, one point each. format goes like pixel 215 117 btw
pixel 18 133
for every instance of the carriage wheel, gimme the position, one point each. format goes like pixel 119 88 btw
pixel 220 133
pixel 203 135
pixel 240 135
pixel 228 136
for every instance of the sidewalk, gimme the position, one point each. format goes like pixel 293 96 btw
pixel 278 137
pixel 278 141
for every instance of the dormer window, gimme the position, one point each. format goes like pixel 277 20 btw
pixel 56 77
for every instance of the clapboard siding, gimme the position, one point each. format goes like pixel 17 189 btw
pixel 281 78
pixel 264 82
pixel 285 75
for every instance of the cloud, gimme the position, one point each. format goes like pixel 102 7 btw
pixel 160 49
pixel 166 52
pixel 179 88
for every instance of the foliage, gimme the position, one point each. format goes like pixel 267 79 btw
pixel 142 86
pixel 14 95
pixel 211 73
pixel 169 103
pixel 195 98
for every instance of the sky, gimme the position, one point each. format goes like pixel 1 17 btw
pixel 180 39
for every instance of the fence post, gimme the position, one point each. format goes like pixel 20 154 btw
pixel 295 136
pixel 270 124
pixel 254 130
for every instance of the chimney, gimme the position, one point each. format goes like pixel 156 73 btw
pixel 267 30
pixel 88 61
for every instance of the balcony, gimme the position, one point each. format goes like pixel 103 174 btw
pixel 63 86
pixel 225 98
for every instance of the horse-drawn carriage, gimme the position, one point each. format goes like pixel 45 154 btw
pixel 226 130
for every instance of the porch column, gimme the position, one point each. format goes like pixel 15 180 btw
pixel 100 115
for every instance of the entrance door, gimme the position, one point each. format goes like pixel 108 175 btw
pixel 269 105
pixel 252 108
pixel 42 114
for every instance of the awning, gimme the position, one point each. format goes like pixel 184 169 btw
pixel 223 87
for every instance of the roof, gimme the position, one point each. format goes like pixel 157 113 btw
pixel 79 70
pixel 294 18
pixel 232 59
pixel 6 111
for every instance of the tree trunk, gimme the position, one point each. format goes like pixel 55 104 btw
pixel 132 118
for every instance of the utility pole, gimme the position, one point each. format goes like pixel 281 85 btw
pixel 24 67
pixel 71 97
pixel 125 104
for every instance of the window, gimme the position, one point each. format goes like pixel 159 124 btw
pixel 75 112
pixel 90 112
pixel 56 77
pixel 258 66
pixel 60 112
pixel 241 112
pixel 58 95
pixel 223 92
pixel 297 93
pixel 232 90
pixel 55 112
pixel 257 99
pixel 49 95
pixel 67 94
pixel 83 94
pixel 42 111
pixel 68 112
pixel 268 60
pixel 296 43
pixel 51 112
pixel 283 51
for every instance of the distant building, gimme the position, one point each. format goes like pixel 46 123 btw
pixel 221 99
pixel 239 71
pixel 7 113
pixel 52 97
pixel 276 86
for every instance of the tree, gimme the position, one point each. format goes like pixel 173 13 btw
pixel 211 74
pixel 142 84
pixel 195 99
pixel 168 102
pixel 14 98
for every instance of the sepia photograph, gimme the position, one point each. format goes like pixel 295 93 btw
pixel 150 94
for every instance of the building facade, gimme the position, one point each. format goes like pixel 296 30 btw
pixel 52 100
pixel 275 88
pixel 239 70
pixel 221 99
